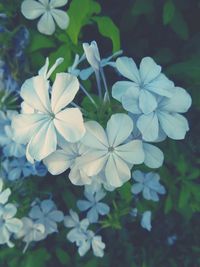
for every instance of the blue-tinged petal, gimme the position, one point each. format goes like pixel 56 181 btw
pixel 154 157
pixel 138 176
pixel 179 102
pixel 84 205
pixel 84 247
pixel 127 67
pixel 85 74
pixel 148 126
pixel 146 220
pixel 14 225
pixel 118 129
pixel 47 206
pixel 32 9
pixel 14 174
pixel 146 193
pixel 130 101
pixel 58 3
pixel 120 88
pixel 61 18
pixel 9 211
pixel 99 195
pixel 147 102
pixel 4 195
pixel 56 215
pixel 174 125
pixel 137 188
pixel 98 246
pixel 149 70
pixel 102 208
pixel 92 215
pixel 46 24
pixel 35 212
pixel 161 86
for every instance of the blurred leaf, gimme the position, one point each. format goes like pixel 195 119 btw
pixel 63 256
pixel 142 7
pixel 179 25
pixel 108 29
pixel 37 258
pixel 168 12
pixel 168 204
pixel 91 263
pixel 39 41
pixel 80 13
pixel 125 192
pixel 184 196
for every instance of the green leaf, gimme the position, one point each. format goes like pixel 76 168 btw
pixel 168 12
pixel 179 25
pixel 125 192
pixel 108 29
pixel 184 196
pixel 39 41
pixel 63 256
pixel 168 204
pixel 142 7
pixel 80 13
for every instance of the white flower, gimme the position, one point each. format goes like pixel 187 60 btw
pixel 62 159
pixel 48 13
pixel 110 151
pixel 50 121
pixel 92 55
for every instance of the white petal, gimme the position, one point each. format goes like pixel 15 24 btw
pixel 35 92
pixel 78 176
pixel 4 195
pixel 179 102
pixel 46 24
pixel 58 162
pixel 127 67
pixel 44 142
pixel 14 225
pixel 148 126
pixel 61 18
pixel 147 102
pixel 58 3
pixel 95 136
pixel 131 152
pixel 174 125
pixel 154 157
pixel 120 88
pixel 64 90
pixel 9 211
pixel 117 171
pixel 27 125
pixel 32 9
pixel 69 123
pixel 118 129
pixel 149 70
pixel 130 101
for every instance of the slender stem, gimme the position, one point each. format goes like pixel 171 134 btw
pixel 75 105
pixel 104 82
pixel 88 95
pixel 98 83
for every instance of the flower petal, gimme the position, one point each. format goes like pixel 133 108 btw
pixel 44 142
pixel 32 9
pixel 95 136
pixel 117 171
pixel 149 70
pixel 148 126
pixel 69 123
pixel 58 162
pixel 58 3
pixel 14 225
pixel 84 205
pixel 9 211
pixel 132 152
pixel 61 18
pixel 130 101
pixel 64 90
pixel 147 102
pixel 118 129
pixel 174 125
pixel 179 102
pixel 127 67
pixel 4 195
pixel 154 157
pixel 120 88
pixel 46 24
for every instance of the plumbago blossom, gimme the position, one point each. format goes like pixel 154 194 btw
pixel 9 225
pixel 48 12
pixel 51 119
pixel 99 154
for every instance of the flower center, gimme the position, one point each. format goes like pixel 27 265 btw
pixel 111 149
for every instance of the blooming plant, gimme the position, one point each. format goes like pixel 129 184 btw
pixel 94 127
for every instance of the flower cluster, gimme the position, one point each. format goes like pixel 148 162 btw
pixel 99 152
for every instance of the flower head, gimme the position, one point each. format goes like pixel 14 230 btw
pixel 48 12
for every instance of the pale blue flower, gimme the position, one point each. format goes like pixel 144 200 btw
pixel 30 232
pixel 138 95
pixel 91 241
pixel 79 227
pixel 93 205
pixel 47 214
pixel 148 184
pixel 17 168
pixel 146 220
pixel 171 240
pixel 9 225
pixel 134 212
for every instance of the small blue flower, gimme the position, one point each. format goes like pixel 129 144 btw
pixel 171 240
pixel 146 220
pixel 93 205
pixel 148 184
pixel 47 214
